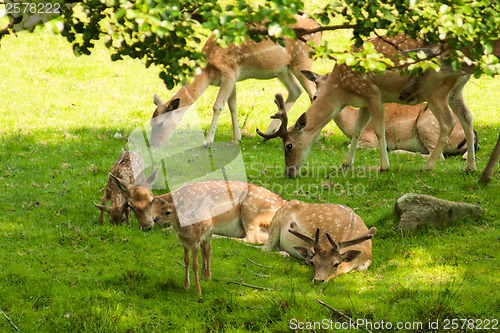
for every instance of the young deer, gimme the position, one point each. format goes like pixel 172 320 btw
pixel 139 197
pixel 226 66
pixel 345 246
pixel 128 167
pixel 243 210
pixel 368 91
pixel 411 128
pixel 194 233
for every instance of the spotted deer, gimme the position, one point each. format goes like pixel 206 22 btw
pixel 226 66
pixel 368 92
pixel 128 167
pixel 193 222
pixel 139 198
pixel 331 237
pixel 243 210
pixel 412 128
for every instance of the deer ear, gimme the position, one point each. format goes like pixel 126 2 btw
pixel 350 255
pixel 310 75
pixel 173 105
pixel 103 208
pixel 120 183
pixel 157 100
pixel 304 252
pixel 301 123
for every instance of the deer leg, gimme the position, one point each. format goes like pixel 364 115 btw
pixel 359 126
pixel 488 171
pixel 294 91
pixel 186 267
pixel 376 109
pixel 104 199
pixel 233 109
pixel 227 86
pixel 308 85
pixel 439 106
pixel 206 252
pixel 457 104
pixel 195 250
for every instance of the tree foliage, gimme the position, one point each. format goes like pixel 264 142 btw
pixel 168 33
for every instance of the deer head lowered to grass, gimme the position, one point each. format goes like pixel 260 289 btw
pixel 368 91
pixel 225 66
pixel 139 198
pixel 331 237
pixel 128 167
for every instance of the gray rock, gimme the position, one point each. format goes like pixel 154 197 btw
pixel 418 210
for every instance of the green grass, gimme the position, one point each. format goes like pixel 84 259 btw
pixel 62 272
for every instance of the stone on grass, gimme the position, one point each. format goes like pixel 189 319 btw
pixel 420 210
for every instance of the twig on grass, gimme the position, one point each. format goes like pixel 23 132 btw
pixel 339 312
pixel 257 264
pixel 10 321
pixel 249 286
pixel 180 263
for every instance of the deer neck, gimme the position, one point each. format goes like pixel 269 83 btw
pixel 190 92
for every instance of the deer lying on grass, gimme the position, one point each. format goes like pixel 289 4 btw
pixel 368 91
pixel 226 66
pixel 243 210
pixel 345 245
pixel 198 216
pixel 411 128
pixel 139 197
pixel 128 167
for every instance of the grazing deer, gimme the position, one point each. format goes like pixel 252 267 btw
pixel 368 91
pixel 196 233
pixel 139 197
pixel 226 66
pixel 407 127
pixel 128 167
pixel 243 210
pixel 341 241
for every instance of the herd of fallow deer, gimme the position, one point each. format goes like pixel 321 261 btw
pixel 332 237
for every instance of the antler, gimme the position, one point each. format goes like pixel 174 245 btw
pixel 313 242
pixel 368 235
pixel 281 114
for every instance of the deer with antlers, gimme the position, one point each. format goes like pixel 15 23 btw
pixel 411 128
pixel 331 237
pixel 128 167
pixel 368 92
pixel 226 66
pixel 193 222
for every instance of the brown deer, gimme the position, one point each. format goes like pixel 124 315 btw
pixel 331 237
pixel 368 91
pixel 490 167
pixel 193 222
pixel 226 66
pixel 139 198
pixel 412 128
pixel 128 167
pixel 243 210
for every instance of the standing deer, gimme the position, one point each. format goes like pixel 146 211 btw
pixel 128 167
pixel 243 210
pixel 411 128
pixel 345 246
pixel 225 66
pixel 195 234
pixel 368 91
pixel 139 197
pixel 490 167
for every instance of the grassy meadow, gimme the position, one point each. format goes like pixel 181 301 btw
pixel 63 123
